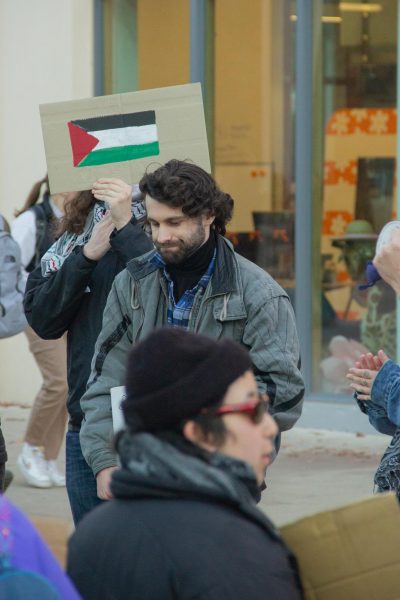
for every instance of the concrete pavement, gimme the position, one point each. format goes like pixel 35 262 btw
pixel 43 502
pixel 315 470
pixel 318 470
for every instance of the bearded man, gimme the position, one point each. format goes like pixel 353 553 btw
pixel 195 280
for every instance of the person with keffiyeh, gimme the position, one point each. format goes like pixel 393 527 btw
pixel 101 231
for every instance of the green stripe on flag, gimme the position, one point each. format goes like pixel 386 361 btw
pixel 120 154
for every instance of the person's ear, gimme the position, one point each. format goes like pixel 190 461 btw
pixel 192 432
pixel 208 219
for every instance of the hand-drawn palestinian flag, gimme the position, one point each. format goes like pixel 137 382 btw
pixel 116 138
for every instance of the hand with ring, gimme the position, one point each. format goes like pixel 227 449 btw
pixel 363 374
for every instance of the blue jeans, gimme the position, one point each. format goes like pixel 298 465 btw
pixel 81 483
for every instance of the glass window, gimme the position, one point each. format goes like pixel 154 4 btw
pixel 163 37
pixel 119 50
pixel 358 131
pixel 249 103
pixel 253 133
pixel 146 44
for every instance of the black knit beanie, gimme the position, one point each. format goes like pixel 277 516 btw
pixel 173 374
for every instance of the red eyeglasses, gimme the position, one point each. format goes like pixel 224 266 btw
pixel 254 409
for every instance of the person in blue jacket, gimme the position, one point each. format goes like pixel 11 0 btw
pixel 376 379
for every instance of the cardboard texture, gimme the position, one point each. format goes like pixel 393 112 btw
pixel 55 533
pixel 179 128
pixel 350 553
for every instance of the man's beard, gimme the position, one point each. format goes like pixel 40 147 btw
pixel 181 250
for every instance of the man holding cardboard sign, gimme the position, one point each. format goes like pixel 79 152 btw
pixel 196 281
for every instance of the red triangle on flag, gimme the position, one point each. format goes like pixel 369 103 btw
pixel 82 142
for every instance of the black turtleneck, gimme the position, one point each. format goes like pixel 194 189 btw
pixel 186 275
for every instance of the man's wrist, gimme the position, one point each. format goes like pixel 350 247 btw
pixel 99 469
pixel 105 470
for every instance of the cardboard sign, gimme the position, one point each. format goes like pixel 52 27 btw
pixel 350 552
pixel 122 135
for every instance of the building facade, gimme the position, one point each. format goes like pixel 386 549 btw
pixel 300 101
pixel 46 55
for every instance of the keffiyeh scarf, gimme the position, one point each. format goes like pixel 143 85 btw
pixel 55 256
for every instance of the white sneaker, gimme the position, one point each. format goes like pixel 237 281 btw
pixel 56 477
pixel 33 467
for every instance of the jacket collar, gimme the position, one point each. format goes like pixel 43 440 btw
pixel 142 266
pixel 223 281
pixel 224 277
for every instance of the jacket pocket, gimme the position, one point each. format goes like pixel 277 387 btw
pixel 219 320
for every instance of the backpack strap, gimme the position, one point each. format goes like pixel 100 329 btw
pixel 41 227
pixel 43 216
pixel 46 207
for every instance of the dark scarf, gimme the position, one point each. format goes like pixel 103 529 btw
pixel 187 274
pixel 168 466
pixel 387 476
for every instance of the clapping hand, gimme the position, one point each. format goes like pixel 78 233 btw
pixel 363 374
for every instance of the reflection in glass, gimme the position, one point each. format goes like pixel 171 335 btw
pixel 253 113
pixel 359 99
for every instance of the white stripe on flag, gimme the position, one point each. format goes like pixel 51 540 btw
pixel 125 136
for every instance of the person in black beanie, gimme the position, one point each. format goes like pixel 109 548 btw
pixel 183 522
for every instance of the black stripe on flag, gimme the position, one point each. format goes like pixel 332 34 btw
pixel 147 117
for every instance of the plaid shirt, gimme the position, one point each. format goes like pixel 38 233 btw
pixel 179 312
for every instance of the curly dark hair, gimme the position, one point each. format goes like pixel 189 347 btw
pixel 76 212
pixel 184 185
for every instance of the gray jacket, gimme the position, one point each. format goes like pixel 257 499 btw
pixel 241 302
